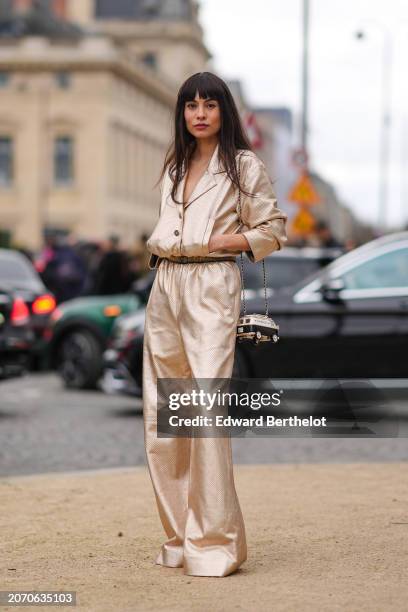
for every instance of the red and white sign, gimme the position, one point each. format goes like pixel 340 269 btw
pixel 253 130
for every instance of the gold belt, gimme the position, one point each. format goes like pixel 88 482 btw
pixel 184 259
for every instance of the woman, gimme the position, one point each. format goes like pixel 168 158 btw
pixel 192 314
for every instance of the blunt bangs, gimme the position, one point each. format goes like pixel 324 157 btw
pixel 206 86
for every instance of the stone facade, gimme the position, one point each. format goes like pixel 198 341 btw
pixel 86 126
pixel 166 34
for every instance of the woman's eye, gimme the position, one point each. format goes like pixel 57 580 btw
pixel 193 105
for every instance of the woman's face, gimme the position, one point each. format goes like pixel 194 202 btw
pixel 202 117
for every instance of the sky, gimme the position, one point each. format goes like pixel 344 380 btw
pixel 260 42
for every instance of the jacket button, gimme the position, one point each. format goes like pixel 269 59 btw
pixel 176 232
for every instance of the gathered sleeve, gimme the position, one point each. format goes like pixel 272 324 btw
pixel 266 223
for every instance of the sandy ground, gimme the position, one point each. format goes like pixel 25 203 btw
pixel 320 537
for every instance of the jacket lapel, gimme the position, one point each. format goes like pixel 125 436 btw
pixel 206 182
pixel 179 190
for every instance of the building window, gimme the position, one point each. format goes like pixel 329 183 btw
pixel 63 160
pixel 63 79
pixel 6 161
pixel 115 8
pixel 150 59
pixel 4 78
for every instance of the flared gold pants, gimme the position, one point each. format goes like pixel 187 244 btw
pixel 190 332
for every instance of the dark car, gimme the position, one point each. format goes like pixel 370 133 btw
pixel 284 268
pixel 79 330
pixel 16 335
pixel 18 275
pixel 349 319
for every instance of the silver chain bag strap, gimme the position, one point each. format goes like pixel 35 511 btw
pixel 254 328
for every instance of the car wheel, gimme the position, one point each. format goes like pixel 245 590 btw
pixel 79 359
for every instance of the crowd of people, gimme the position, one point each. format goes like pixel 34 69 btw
pixel 72 268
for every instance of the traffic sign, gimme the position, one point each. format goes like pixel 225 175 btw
pixel 304 222
pixel 304 192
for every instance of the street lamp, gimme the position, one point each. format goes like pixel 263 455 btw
pixel 385 132
pixel 305 76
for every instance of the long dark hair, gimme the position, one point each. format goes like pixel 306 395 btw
pixel 231 135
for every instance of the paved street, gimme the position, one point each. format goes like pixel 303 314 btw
pixel 45 428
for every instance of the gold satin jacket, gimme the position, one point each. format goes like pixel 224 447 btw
pixel 212 208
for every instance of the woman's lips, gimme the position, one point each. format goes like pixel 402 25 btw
pixel 200 127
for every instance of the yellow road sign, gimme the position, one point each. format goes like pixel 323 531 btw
pixel 304 192
pixel 303 223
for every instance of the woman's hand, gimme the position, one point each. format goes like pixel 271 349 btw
pixel 216 243
pixel 228 242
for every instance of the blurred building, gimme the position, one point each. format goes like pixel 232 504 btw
pixel 165 36
pixel 276 149
pixel 87 94
pixel 270 132
pixel 343 224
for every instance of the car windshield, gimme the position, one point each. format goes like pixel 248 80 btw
pixel 17 273
pixel 280 272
